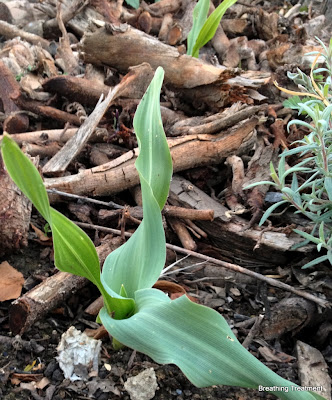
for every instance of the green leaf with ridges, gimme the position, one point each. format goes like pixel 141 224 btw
pixel 195 338
pixel 26 176
pixel 74 251
pixel 138 263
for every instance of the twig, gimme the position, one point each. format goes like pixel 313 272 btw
pixel 253 331
pixel 233 267
pixel 10 31
pixel 85 199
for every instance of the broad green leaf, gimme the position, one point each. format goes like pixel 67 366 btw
pixel 295 102
pixel 26 176
pixel 210 26
pixel 269 211
pixel 154 163
pixel 199 17
pixel 195 338
pixel 74 251
pixel 138 263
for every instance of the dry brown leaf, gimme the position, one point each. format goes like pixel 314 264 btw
pixel 11 282
pixel 40 234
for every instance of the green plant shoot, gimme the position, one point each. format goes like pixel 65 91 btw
pixel 204 28
pixel 195 338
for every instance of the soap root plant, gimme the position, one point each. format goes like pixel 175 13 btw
pixel 195 338
pixel 313 197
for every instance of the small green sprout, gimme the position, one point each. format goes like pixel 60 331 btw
pixel 204 28
pixel 194 337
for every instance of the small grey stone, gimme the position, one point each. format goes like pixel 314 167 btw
pixel 142 386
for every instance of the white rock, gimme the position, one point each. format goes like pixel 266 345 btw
pixel 142 386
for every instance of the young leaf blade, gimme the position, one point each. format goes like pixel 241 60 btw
pixel 26 176
pixel 138 263
pixel 210 26
pixel 199 17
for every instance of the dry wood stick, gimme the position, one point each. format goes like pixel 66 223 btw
pixel 10 31
pixel 233 267
pixel 187 152
pixel 46 111
pixel 71 149
pixel 52 135
pixel 36 303
pixel 8 86
pixel 182 232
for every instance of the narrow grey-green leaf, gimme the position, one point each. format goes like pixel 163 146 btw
pixel 307 236
pixel 270 210
pixel 315 262
pixel 195 338
pixel 328 186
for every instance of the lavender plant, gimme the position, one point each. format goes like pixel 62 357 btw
pixel 313 198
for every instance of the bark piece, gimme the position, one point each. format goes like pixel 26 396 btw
pixel 36 303
pixel 72 148
pixel 76 89
pixel 64 50
pixel 236 27
pixel 14 122
pixel 187 152
pixel 289 315
pixel 46 111
pixel 69 10
pixel 87 92
pixel 313 370
pixel 106 47
pixel 214 123
pixel 230 235
pixel 182 232
pixel 52 135
pixel 168 211
pixel 15 212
